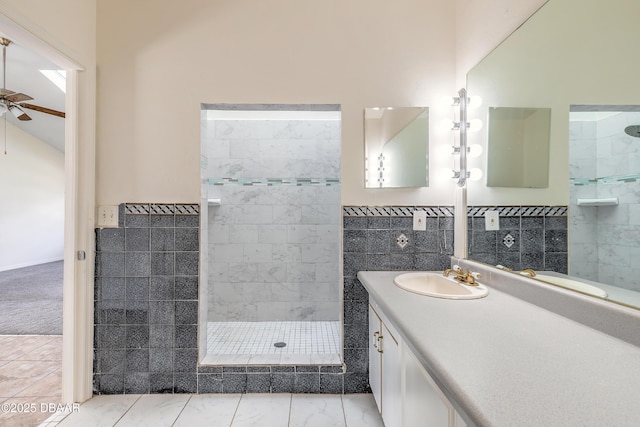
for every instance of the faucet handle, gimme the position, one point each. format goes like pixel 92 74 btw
pixel 474 274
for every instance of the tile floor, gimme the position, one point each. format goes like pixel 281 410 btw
pixel 253 343
pixel 30 378
pixel 213 410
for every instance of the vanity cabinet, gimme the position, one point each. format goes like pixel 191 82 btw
pixel 404 391
pixel 384 369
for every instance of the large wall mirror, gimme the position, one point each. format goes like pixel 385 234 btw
pixel 575 57
pixel 396 147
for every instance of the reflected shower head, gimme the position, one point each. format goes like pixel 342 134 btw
pixel 633 130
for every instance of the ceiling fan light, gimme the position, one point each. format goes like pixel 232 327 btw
pixel 17 111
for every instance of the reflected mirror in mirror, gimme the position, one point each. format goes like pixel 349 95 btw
pixel 518 147
pixel 396 147
pixel 569 53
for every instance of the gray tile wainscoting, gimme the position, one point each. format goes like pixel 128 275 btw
pixel 529 237
pixel 370 243
pixel 146 301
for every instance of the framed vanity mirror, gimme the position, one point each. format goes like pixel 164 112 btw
pixel 575 58
pixel 518 147
pixel 396 147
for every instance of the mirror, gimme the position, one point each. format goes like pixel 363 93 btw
pixel 518 147
pixel 570 55
pixel 396 147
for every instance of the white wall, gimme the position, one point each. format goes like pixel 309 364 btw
pixel 158 61
pixel 482 24
pixel 31 201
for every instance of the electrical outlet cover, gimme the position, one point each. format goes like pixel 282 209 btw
pixel 419 220
pixel 491 220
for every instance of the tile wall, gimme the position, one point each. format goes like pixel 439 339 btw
pixel 146 301
pixel 605 163
pixel 529 237
pixel 274 240
pixel 146 292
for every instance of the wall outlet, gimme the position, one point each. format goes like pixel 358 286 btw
pixel 491 220
pixel 419 220
pixel 107 216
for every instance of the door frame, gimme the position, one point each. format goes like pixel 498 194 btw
pixel 79 253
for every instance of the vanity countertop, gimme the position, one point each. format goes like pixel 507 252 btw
pixel 505 362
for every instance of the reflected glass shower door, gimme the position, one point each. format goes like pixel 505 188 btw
pixel 273 239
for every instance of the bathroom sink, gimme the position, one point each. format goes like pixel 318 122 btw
pixel 434 284
pixel 573 284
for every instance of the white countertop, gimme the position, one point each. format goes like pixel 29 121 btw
pixel 506 362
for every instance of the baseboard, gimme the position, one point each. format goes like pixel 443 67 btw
pixel 29 264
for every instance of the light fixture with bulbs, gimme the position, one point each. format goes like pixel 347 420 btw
pixel 462 150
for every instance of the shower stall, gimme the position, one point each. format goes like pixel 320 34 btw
pixel 270 236
pixel 604 212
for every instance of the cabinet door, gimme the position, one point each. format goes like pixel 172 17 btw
pixel 424 403
pixel 375 361
pixel 391 380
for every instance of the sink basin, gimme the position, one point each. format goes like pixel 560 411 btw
pixel 573 284
pixel 434 284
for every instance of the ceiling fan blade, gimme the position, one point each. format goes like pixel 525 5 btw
pixel 44 110
pixel 19 114
pixel 18 97
pixel 5 92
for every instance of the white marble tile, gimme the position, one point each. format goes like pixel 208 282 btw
pixel 360 411
pixel 295 359
pixel 233 359
pixel 272 272
pixel 154 410
pixel 264 359
pixel 257 291
pixel 256 214
pixel 318 253
pixel 325 359
pixel 264 410
pixel 233 252
pixel 316 410
pixel 272 233
pixel 101 411
pixel 243 233
pixel 212 410
pixel 286 253
pixel 243 272
pixel 258 252
pixel 286 214
pixel 304 272
pixel 300 233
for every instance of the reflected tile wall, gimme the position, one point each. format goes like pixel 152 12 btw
pixel 604 244
pixel 529 237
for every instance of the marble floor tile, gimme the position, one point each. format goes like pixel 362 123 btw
pixel 50 386
pixel 212 410
pixel 101 411
pixel 264 410
pixel 154 410
pixel 316 410
pixel 360 410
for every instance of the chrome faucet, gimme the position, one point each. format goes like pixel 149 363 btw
pixel 468 278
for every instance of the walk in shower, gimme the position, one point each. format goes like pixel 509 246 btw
pixel 270 234
pixel 604 214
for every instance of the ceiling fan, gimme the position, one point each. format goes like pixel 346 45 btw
pixel 15 102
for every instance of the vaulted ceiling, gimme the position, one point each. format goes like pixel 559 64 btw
pixel 24 76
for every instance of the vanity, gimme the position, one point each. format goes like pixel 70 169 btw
pixel 501 360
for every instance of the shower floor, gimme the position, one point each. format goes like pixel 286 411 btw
pixel 253 342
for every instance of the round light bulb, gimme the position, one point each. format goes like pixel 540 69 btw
pixel 475 125
pixel 474 102
pixel 475 174
pixel 446 173
pixel 475 150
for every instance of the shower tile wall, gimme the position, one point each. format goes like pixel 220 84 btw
pixel 529 237
pixel 274 241
pixel 605 163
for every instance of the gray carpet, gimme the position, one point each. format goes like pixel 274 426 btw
pixel 31 300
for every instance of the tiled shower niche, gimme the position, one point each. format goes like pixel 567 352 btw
pixel 146 299
pixel 528 237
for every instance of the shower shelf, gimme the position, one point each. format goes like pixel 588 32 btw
pixel 614 179
pixel 609 201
